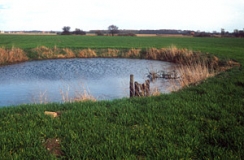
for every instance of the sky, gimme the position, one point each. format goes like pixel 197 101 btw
pixel 47 15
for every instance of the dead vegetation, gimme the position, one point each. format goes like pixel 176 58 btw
pixel 53 146
pixel 193 67
pixel 86 53
pixel 110 53
pixel 12 55
pixel 44 52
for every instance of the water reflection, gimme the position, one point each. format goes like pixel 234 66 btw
pixel 55 80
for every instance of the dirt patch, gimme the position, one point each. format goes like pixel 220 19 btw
pixel 53 146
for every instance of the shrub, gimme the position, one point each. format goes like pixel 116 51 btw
pixel 99 33
pixel 127 34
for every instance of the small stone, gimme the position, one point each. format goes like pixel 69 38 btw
pixel 52 114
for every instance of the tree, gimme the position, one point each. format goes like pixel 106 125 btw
pixel 66 30
pixel 113 29
pixel 99 33
pixel 79 32
pixel 223 31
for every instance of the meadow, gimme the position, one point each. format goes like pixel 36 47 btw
pixel 204 121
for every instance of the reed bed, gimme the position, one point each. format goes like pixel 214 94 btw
pixel 132 53
pixel 86 53
pixel 68 53
pixel 12 55
pixel 194 73
pixel 193 67
pixel 44 52
pixel 110 53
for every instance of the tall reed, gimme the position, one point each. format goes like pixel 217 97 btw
pixel 81 93
pixel 12 55
pixel 110 53
pixel 193 67
pixel 86 53
pixel 194 73
pixel 132 53
pixel 44 52
pixel 68 53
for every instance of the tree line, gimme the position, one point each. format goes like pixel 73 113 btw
pixel 77 31
pixel 114 30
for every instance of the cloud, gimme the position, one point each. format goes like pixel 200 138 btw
pixel 137 14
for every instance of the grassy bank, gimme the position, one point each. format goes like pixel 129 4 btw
pixel 199 122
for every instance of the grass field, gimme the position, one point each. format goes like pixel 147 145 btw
pixel 198 122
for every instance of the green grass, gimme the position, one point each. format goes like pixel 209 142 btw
pixel 97 42
pixel 198 122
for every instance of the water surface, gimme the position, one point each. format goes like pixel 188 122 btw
pixel 63 79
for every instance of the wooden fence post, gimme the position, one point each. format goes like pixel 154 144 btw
pixel 137 89
pixel 147 88
pixel 132 90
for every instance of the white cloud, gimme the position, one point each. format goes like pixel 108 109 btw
pixel 137 14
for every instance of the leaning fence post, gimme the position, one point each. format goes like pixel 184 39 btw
pixel 137 89
pixel 142 87
pixel 147 88
pixel 132 90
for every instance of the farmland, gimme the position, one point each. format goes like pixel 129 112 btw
pixel 204 121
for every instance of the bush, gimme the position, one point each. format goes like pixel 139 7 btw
pixel 99 33
pixel 127 34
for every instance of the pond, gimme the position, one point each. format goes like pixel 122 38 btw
pixel 63 79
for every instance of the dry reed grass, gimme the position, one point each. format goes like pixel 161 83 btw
pixel 110 53
pixel 68 53
pixel 155 91
pixel 12 55
pixel 193 67
pixel 86 53
pixel 170 54
pixel 194 73
pixel 81 94
pixel 44 52
pixel 84 96
pixel 132 53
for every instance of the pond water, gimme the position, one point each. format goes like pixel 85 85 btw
pixel 64 79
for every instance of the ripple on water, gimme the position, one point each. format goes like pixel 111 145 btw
pixel 49 80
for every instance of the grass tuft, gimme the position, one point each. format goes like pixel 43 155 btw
pixel 12 55
pixel 68 53
pixel 110 53
pixel 86 53
pixel 132 53
pixel 85 96
pixel 44 52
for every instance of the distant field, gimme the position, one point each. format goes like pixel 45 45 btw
pixel 32 41
pixel 221 46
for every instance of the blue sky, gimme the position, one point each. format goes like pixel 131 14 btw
pixel 203 15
